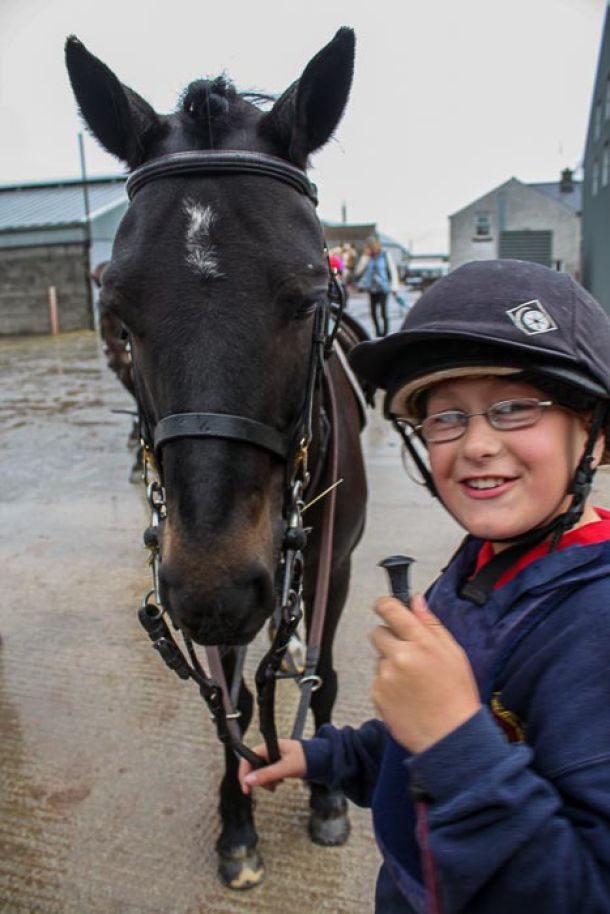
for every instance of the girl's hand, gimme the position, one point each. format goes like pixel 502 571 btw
pixel 291 765
pixel 424 687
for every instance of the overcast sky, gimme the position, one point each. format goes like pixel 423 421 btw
pixel 450 97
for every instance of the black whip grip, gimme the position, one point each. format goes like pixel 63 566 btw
pixel 397 568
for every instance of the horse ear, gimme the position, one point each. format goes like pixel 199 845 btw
pixel 305 116
pixel 116 115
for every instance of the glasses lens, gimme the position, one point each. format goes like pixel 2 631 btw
pixel 514 413
pixel 444 426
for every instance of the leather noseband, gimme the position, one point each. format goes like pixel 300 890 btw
pixel 221 425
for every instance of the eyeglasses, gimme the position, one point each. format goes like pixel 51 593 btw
pixel 504 416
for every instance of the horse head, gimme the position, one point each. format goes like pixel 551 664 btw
pixel 217 280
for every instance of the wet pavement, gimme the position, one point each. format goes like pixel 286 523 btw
pixel 109 764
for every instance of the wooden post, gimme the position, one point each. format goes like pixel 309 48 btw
pixel 53 314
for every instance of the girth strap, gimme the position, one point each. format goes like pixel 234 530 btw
pixel 221 425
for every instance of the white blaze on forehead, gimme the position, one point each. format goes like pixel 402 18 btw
pixel 200 254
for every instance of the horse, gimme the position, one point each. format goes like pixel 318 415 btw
pixel 218 274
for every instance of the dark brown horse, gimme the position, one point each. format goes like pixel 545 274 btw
pixel 218 278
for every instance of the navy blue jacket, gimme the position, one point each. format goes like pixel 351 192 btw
pixel 521 826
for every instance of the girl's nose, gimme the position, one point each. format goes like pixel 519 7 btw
pixel 480 439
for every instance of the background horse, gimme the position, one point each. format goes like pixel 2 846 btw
pixel 218 280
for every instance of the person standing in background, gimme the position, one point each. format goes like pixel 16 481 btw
pixel 376 274
pixel 350 259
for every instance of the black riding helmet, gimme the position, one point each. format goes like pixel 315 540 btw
pixel 494 313
pixel 500 317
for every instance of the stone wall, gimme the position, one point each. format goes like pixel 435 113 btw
pixel 25 276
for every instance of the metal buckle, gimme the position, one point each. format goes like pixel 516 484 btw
pixel 311 677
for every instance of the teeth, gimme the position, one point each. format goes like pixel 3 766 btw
pixel 484 483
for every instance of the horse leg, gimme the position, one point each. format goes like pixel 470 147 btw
pixel 240 865
pixel 328 820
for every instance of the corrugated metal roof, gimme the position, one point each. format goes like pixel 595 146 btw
pixel 29 206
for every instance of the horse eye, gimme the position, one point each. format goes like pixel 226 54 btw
pixel 307 308
pixel 304 313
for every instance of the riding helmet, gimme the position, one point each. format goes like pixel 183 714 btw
pixel 494 317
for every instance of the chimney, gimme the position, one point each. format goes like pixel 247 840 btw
pixel 566 182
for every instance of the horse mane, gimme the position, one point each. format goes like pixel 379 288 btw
pixel 216 104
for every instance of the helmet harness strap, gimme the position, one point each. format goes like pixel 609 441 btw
pixel 480 587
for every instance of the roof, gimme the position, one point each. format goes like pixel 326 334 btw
pixel 57 204
pixel 388 242
pixel 551 189
pixel 359 232
pixel 571 198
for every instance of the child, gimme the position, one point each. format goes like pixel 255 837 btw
pixel 489 777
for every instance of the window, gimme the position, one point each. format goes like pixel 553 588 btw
pixel 482 225
pixel 597 120
pixel 605 164
pixel 595 178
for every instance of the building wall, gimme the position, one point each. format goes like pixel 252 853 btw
pixel 596 186
pixel 25 276
pixel 515 207
pixel 103 230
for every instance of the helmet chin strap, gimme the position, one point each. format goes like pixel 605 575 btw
pixel 480 587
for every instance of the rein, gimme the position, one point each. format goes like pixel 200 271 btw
pixel 291 447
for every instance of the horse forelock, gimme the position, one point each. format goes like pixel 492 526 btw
pixel 208 98
pixel 216 105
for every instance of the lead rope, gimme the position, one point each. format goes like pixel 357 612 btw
pixel 310 681
pixel 268 671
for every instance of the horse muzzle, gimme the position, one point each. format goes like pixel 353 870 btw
pixel 229 611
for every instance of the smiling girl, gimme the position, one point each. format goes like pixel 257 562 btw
pixel 489 771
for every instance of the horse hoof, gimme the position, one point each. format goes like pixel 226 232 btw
pixel 329 831
pixel 241 868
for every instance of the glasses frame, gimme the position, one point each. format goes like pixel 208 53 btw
pixel 489 415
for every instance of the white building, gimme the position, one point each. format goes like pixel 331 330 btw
pixel 537 222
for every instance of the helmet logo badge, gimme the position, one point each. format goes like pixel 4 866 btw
pixel 531 317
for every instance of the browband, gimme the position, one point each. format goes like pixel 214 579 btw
pixel 221 162
pixel 221 425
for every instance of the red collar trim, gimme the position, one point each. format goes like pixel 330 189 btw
pixel 596 532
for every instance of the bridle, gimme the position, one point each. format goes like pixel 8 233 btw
pixel 290 447
pixel 213 163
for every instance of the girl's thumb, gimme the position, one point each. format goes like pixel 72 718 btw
pixel 420 608
pixel 264 776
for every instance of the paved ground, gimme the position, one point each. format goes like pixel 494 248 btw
pixel 108 764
